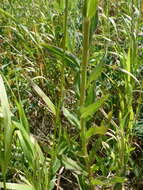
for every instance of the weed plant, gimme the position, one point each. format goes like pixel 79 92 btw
pixel 71 94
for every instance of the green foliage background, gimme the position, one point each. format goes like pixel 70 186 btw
pixel 71 94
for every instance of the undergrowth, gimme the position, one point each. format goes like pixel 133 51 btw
pixel 71 94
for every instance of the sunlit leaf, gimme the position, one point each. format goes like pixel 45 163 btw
pixel 129 75
pixel 117 179
pixel 45 98
pixel 91 8
pixel 97 182
pixel 16 186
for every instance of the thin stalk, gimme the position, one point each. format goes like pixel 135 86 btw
pixel 4 181
pixel 86 33
pixel 86 24
pixel 58 119
pixel 62 69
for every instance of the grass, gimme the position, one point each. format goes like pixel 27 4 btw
pixel 71 94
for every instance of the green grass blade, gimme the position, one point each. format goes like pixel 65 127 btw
pixel 91 8
pixel 6 14
pixel 73 165
pixel 71 118
pixel 45 98
pixel 128 64
pixel 70 59
pixel 129 74
pixel 29 145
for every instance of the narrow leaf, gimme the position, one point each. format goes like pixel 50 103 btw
pixel 5 13
pixel 70 59
pixel 45 98
pixel 95 74
pixel 91 109
pixel 97 182
pixel 93 24
pixel 16 186
pixel 71 118
pixel 129 75
pixel 95 130
pixel 73 165
pixel 91 8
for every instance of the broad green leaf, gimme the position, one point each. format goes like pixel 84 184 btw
pixel 71 118
pixel 95 130
pixel 91 8
pixel 70 59
pixel 91 109
pixel 95 74
pixel 45 98
pixel 16 186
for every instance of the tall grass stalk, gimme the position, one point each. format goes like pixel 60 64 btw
pixel 60 103
pixel 86 33
pixel 86 24
pixel 58 125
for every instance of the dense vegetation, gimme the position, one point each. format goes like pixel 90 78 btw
pixel 71 94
